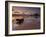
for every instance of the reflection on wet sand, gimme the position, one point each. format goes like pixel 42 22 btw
pixel 29 22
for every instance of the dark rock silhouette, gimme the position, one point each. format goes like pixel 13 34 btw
pixel 19 21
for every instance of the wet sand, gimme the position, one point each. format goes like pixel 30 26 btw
pixel 28 24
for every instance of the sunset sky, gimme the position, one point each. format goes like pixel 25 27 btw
pixel 26 10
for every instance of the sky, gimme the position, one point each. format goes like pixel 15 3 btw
pixel 30 10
